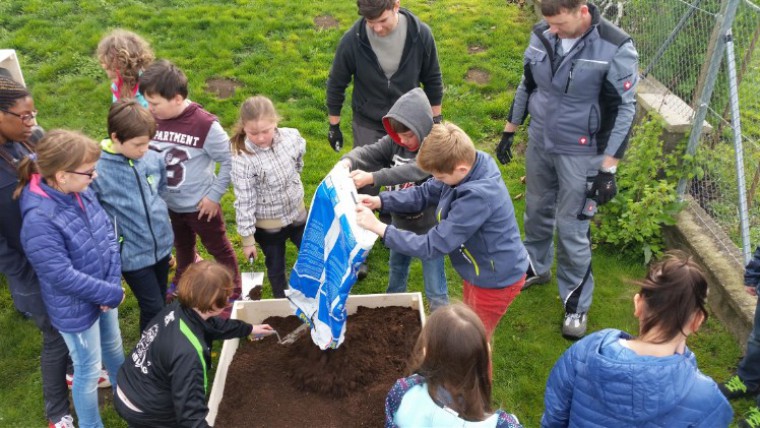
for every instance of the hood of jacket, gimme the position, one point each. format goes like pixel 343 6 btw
pixel 636 388
pixel 414 111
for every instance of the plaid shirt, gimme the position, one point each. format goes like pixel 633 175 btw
pixel 267 182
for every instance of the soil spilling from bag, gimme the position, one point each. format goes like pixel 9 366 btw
pixel 271 385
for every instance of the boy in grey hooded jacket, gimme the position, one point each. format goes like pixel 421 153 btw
pixel 391 162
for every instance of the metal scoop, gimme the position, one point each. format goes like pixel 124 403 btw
pixel 294 335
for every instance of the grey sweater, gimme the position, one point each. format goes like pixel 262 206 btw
pixel 394 166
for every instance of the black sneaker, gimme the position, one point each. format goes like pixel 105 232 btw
pixel 534 279
pixel 362 272
pixel 735 388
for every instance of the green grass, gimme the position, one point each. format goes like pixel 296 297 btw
pixel 273 48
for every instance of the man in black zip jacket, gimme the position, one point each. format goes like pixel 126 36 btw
pixel 388 52
pixel 579 81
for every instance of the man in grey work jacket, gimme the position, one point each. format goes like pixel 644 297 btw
pixel 579 81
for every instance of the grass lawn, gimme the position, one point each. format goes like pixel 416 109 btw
pixel 274 48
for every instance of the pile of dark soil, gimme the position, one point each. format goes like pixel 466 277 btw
pixel 271 385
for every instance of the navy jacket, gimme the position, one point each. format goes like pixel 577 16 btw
pixel 70 242
pixel 752 272
pixel 600 383
pixel 374 94
pixel 476 226
pixel 586 106
pixel 22 281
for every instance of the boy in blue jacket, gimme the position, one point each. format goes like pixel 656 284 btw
pixel 746 381
pixel 476 221
pixel 128 188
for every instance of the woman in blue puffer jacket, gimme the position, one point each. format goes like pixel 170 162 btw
pixel 70 243
pixel 612 379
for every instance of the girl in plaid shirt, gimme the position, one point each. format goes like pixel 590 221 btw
pixel 266 175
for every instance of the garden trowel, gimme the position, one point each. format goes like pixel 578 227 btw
pixel 295 334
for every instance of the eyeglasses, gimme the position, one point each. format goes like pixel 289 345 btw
pixel 24 117
pixel 89 173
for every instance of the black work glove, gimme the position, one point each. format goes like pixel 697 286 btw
pixel 335 137
pixel 438 119
pixel 604 187
pixel 504 149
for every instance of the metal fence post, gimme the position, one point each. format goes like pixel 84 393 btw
pixel 738 148
pixel 724 21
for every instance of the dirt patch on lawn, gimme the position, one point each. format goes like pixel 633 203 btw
pixel 476 75
pixel 269 384
pixel 221 87
pixel 475 49
pixel 325 22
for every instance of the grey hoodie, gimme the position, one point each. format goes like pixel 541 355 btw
pixel 393 165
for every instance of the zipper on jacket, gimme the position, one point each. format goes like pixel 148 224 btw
pixel 570 77
pixel 145 207
pixel 468 256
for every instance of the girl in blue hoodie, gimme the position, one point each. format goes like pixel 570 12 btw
pixel 128 188
pixel 613 379
pixel 70 243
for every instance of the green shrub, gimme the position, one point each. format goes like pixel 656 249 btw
pixel 646 199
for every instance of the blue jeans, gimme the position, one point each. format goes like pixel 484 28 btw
pixel 433 274
pixel 102 341
pixel 749 367
pixel 149 287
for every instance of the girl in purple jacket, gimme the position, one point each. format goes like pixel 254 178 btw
pixel 70 243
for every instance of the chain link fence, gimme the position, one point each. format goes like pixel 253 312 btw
pixel 680 44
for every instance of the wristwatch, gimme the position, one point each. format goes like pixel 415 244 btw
pixel 609 170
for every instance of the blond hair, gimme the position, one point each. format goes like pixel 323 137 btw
pixel 59 150
pixel 445 148
pixel 258 107
pixel 127 54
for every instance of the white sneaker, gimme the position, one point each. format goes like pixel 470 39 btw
pixel 65 422
pixel 103 380
pixel 575 325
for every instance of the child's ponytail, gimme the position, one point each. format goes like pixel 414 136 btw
pixel 26 167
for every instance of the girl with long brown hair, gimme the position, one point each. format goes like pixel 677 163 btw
pixel 451 381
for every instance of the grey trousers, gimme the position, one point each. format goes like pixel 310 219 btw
pixel 555 194
pixel 364 136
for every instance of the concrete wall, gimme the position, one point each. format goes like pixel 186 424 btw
pixel 700 236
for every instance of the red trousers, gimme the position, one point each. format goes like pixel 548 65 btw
pixel 490 303
pixel 213 234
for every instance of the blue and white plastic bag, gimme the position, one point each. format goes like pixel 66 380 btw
pixel 332 249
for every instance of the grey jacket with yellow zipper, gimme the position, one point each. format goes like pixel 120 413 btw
pixel 476 226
